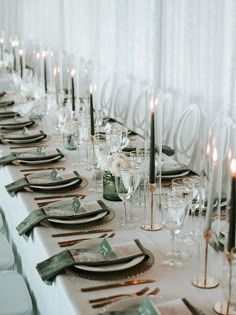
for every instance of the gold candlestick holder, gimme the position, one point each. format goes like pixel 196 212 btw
pixel 225 307
pixel 205 281
pixel 152 225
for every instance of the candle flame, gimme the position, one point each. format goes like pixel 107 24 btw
pixel 214 155
pixel 151 104
pixel 86 71
pixel 37 55
pixel 21 52
pixel 72 72
pixel 233 166
pixel 55 70
pixel 91 89
pixel 208 149
pixel 1 40
pixel 44 53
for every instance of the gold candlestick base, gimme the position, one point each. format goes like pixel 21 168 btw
pixel 205 283
pixel 152 226
pixel 223 308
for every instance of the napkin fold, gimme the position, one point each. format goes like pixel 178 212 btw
pixel 8 114
pixel 52 266
pixel 55 212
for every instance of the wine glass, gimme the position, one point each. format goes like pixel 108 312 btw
pixel 174 211
pixel 124 184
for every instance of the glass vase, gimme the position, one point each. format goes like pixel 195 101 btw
pixel 109 187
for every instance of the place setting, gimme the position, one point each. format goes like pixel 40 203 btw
pixel 70 211
pixel 23 137
pixel 17 122
pixel 99 259
pixel 48 182
pixel 31 156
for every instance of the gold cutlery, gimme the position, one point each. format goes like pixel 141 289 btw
pixel 119 296
pixel 73 242
pixel 117 285
pixel 43 169
pixel 109 299
pixel 60 196
pixel 81 232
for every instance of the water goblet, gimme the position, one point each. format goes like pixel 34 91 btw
pixel 124 182
pixel 174 211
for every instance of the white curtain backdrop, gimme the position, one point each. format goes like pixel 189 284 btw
pixel 186 47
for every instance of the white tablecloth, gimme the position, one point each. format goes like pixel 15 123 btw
pixel 64 295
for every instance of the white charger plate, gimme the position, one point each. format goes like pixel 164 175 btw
pixel 81 220
pixel 115 267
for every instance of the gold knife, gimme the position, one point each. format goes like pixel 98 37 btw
pixel 117 285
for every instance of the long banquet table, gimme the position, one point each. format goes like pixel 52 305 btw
pixel 64 295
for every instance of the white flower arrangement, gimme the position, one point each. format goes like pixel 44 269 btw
pixel 114 163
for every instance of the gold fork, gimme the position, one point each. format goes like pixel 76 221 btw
pixel 78 240
pixel 119 297
pixel 113 298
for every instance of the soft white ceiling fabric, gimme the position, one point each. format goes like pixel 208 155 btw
pixel 186 47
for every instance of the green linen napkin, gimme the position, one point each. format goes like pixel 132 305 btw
pixel 49 268
pixel 8 114
pixel 58 210
pixel 4 160
pixel 16 186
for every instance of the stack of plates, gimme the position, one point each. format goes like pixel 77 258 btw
pixel 6 103
pixel 62 212
pixel 16 123
pixel 22 138
pixel 172 169
pixel 35 158
pixel 90 259
pixel 8 114
pixel 46 182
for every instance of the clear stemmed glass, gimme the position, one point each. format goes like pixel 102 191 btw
pixel 195 185
pixel 135 170
pixel 124 184
pixel 174 211
pixel 185 190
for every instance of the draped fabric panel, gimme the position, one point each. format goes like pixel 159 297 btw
pixel 186 47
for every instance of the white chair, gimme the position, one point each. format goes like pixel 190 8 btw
pixel 6 254
pixel 1 223
pixel 186 136
pixel 14 295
